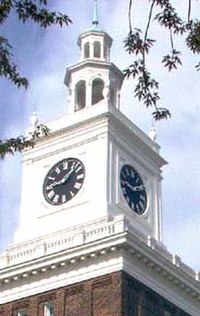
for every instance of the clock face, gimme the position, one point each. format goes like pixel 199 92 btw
pixel 133 189
pixel 63 181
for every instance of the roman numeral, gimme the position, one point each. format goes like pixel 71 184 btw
pixel 80 176
pixel 51 178
pixel 76 166
pixel 137 208
pixel 71 193
pixel 64 199
pixel 57 170
pixel 132 173
pixel 77 185
pixel 65 165
pixel 123 175
pixel 56 198
pixel 50 194
pixel 79 168
pixel 132 206
pixel 128 199
pixel 127 172
pixel 141 204
pixel 142 197
pixel 137 180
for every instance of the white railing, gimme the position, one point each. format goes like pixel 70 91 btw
pixel 69 238
pixel 22 252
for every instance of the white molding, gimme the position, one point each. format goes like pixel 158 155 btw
pixel 98 249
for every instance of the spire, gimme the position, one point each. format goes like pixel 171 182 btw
pixel 95 21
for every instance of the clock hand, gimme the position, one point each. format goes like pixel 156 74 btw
pixel 62 181
pixel 134 188
pixel 54 184
pixel 66 177
pixel 138 188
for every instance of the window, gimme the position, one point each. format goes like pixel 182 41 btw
pixel 80 95
pixel 49 309
pixel 22 313
pixel 97 91
pixel 87 50
pixel 97 50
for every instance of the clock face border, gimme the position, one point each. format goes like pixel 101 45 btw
pixel 63 181
pixel 133 189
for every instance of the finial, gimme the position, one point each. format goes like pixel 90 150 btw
pixel 33 117
pixel 95 21
pixel 152 133
pixel 33 122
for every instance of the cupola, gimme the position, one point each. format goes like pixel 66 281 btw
pixel 94 79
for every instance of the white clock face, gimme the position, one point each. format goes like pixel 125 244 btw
pixel 133 189
pixel 63 181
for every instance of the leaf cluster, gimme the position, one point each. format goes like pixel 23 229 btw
pixel 139 45
pixel 134 44
pixel 35 10
pixel 172 60
pixel 193 38
pixel 26 10
pixel 7 68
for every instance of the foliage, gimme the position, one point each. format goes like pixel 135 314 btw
pixel 139 45
pixel 18 144
pixel 35 10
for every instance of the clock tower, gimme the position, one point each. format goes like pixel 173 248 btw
pixel 95 164
pixel 89 240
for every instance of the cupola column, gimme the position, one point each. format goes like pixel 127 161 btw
pixel 88 94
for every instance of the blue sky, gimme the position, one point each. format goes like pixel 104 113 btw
pixel 43 57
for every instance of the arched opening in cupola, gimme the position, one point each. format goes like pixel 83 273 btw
pixel 97 90
pixel 97 49
pixel 80 95
pixel 87 50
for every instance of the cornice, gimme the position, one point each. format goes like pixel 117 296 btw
pixel 101 245
pixel 98 119
pixel 90 63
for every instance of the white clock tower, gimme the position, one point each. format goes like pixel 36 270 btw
pixel 104 141
pixel 89 240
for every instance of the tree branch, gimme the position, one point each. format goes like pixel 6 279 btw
pixel 7 68
pixel 148 26
pixel 18 144
pixel 189 9
pixel 129 15
pixel 27 9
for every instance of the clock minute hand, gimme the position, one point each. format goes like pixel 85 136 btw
pixel 65 178
pixel 136 188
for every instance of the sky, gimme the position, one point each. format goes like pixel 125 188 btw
pixel 43 56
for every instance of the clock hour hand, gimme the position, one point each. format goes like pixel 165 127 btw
pixel 52 185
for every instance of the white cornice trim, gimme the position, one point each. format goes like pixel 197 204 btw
pixel 99 249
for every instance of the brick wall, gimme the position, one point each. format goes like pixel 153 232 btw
pixel 116 294
pixel 97 297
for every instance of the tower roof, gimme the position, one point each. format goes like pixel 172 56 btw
pixel 95 29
